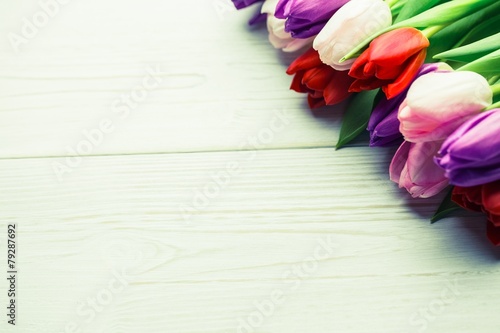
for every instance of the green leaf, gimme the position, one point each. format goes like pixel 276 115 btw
pixel 487 65
pixel 356 116
pixel 472 51
pixel 412 8
pixel 396 8
pixel 446 13
pixel 495 89
pixel 482 30
pixel 447 207
pixel 450 37
pixel 442 14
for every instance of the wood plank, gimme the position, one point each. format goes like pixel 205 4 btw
pixel 343 246
pixel 219 82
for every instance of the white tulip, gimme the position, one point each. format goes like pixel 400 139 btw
pixel 349 26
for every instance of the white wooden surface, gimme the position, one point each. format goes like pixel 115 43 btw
pixel 130 228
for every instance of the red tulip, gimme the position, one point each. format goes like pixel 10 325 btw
pixel 482 198
pixel 391 61
pixel 323 84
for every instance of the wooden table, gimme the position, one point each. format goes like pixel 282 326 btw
pixel 162 178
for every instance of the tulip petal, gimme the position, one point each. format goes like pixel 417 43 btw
pixel 357 69
pixel 368 84
pixel 240 4
pixel 468 198
pixel 406 77
pixel 391 61
pixel 493 233
pixel 315 103
pixel 297 83
pixel 350 25
pixel 388 73
pixel 471 155
pixel 306 18
pixel 396 46
pixel 413 169
pixel 399 161
pixel 491 197
pixel 421 163
pixel 317 78
pixel 309 59
pixel 337 89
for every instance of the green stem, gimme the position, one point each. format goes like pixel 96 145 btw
pixel 398 5
pixel 431 31
pixel 493 106
pixel 391 3
pixel 495 89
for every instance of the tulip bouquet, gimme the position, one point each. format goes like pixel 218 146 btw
pixel 421 74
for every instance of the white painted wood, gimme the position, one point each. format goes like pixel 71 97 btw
pixel 219 82
pixel 204 274
pixel 344 248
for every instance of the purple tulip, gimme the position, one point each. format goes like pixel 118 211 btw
pixel 240 4
pixel 471 155
pixel 306 18
pixel 384 124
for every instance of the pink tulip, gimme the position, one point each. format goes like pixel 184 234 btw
pixel 413 168
pixel 438 103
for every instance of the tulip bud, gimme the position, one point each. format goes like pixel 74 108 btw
pixel 384 123
pixel 306 18
pixel 471 155
pixel 349 26
pixel 278 37
pixel 413 168
pixel 438 103
pixel 240 4
pixel 391 61
pixel 482 198
pixel 323 84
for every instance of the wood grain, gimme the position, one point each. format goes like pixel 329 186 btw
pixel 119 212
pixel 217 204
pixel 212 95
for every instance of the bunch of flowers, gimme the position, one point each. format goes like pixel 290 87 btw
pixel 422 74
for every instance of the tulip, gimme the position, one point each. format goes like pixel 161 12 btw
pixel 471 155
pixel 324 85
pixel 391 61
pixel 278 37
pixel 240 4
pixel 482 198
pixel 438 103
pixel 306 18
pixel 350 25
pixel 413 168
pixel 384 123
